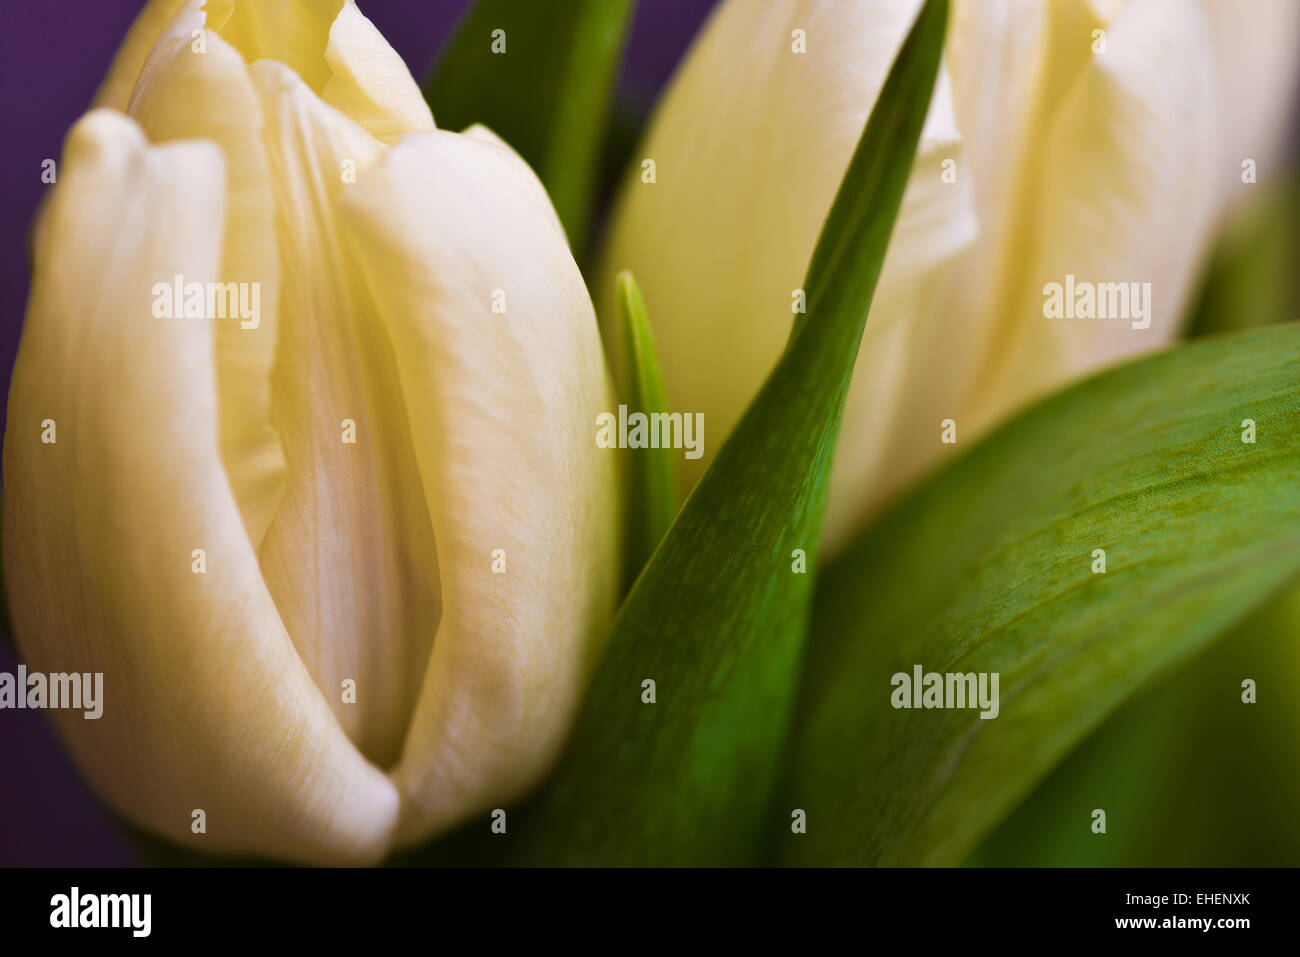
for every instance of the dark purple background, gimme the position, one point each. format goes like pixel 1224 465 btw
pixel 53 56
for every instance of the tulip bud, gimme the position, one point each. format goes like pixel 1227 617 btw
pixel 407 533
pixel 1069 139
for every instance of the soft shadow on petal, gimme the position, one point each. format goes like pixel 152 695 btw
pixel 206 704
pixel 338 53
pixel 350 555
pixel 293 32
pixel 502 412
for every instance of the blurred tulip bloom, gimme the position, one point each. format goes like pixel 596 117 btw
pixel 345 572
pixel 1086 138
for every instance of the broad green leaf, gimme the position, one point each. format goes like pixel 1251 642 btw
pixel 718 617
pixel 651 472
pixel 989 568
pixel 1188 774
pixel 546 90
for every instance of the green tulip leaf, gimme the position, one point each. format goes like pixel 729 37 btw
pixel 651 473
pixel 1178 767
pixel 1189 774
pixel 717 619
pixel 995 566
pixel 540 75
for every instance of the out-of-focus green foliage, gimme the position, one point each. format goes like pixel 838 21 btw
pixel 543 83
pixel 1253 278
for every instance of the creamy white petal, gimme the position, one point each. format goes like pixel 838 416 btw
pixel 371 84
pixel 1122 191
pixel 502 413
pixel 127 63
pixel 1083 162
pixel 182 94
pixel 1256 47
pixel 206 705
